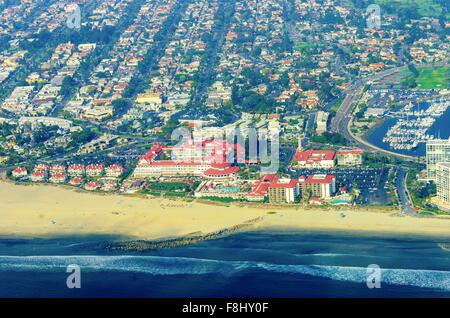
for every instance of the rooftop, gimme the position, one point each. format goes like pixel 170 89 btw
pixel 318 179
pixel 315 155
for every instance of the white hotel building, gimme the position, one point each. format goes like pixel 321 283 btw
pixel 206 159
pixel 443 184
pixel 437 151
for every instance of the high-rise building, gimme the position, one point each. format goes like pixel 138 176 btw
pixel 436 151
pixel 443 182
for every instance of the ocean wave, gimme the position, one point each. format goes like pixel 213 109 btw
pixel 326 255
pixel 156 265
pixel 404 277
pixel 146 264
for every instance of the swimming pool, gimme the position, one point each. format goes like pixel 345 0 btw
pixel 339 202
pixel 230 189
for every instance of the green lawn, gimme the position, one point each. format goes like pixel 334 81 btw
pixel 425 8
pixel 304 46
pixel 336 106
pixel 434 78
pixel 170 186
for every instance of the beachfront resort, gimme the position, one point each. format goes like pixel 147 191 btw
pixel 97 110
pixel 201 169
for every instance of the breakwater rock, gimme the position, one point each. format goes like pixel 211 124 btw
pixel 142 245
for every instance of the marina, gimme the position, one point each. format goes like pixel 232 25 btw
pixel 413 123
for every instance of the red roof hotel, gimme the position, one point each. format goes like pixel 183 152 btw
pixel 204 159
pixel 316 159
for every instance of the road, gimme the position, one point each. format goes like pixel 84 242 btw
pixel 344 112
pixel 352 96
pixel 342 122
pixel 211 62
pixel 406 204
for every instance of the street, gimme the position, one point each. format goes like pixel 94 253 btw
pixel 406 205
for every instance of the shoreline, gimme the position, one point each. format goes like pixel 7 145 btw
pixel 363 140
pixel 366 136
pixel 249 228
pixel 51 212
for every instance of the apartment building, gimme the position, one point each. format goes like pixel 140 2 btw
pixel 317 186
pixel 443 183
pixel 436 151
pixel 284 191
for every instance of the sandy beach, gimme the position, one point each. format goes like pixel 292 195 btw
pixel 41 211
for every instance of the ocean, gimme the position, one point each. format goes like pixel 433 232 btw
pixel 254 264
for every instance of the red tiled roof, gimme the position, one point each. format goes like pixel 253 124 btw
pixel 41 167
pixel 92 185
pixel 175 163
pixel 76 166
pixel 57 168
pixel 221 172
pixel 110 184
pixel 315 155
pixel 214 150
pixel 205 151
pixel 115 167
pixel 99 166
pixel 154 151
pixel 76 180
pixel 317 179
pixel 291 184
pixel 261 187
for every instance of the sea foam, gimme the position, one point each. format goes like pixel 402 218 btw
pixel 157 265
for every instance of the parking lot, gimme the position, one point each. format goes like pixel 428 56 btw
pixel 372 182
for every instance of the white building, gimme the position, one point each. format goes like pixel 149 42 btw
pixel 46 121
pixel 206 159
pixel 315 159
pixel 436 151
pixel 284 191
pixel 349 157
pixel 443 183
pixel 321 122
pixel 318 186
